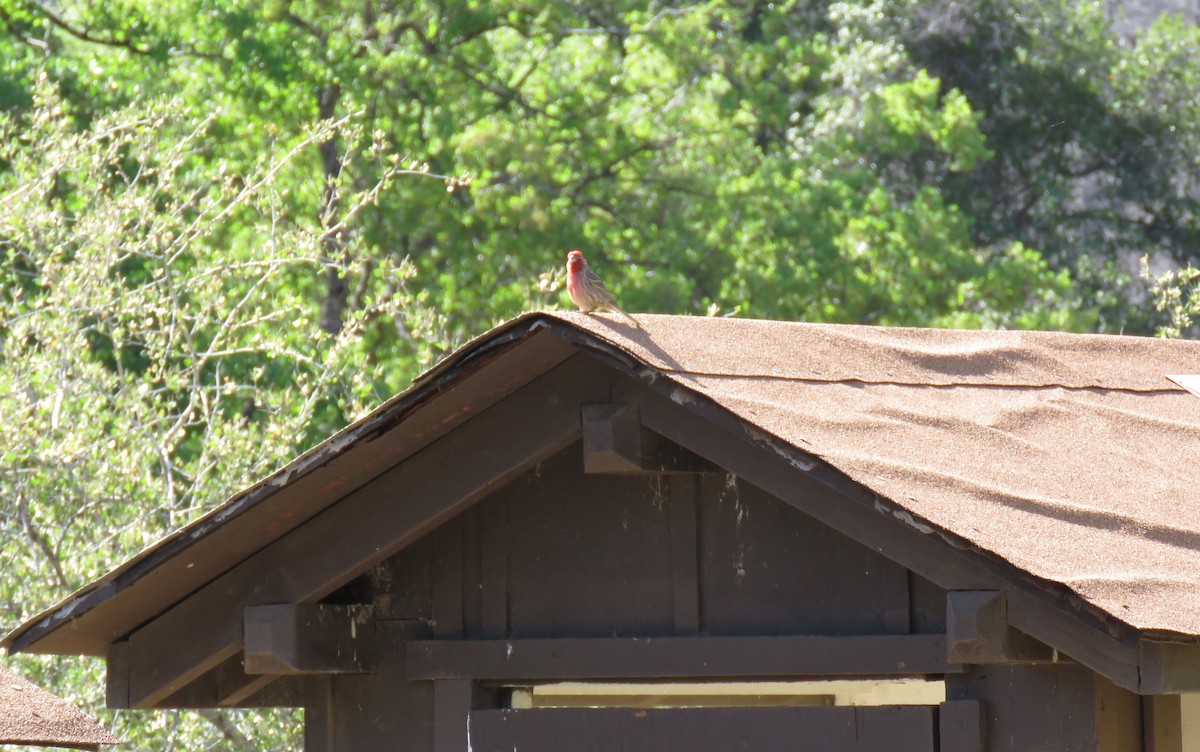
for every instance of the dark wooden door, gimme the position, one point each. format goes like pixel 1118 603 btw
pixel 820 729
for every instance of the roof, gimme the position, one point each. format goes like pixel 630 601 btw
pixel 1071 457
pixel 30 715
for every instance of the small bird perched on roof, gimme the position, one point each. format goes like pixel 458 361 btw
pixel 587 291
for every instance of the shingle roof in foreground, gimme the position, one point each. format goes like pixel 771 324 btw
pixel 31 715
pixel 1071 456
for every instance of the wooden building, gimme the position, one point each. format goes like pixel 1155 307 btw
pixel 31 716
pixel 703 534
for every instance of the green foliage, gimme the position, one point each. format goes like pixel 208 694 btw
pixel 1178 293
pixel 158 342
pixel 711 157
pixel 1093 142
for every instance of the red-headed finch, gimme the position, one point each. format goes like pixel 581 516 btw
pixel 587 291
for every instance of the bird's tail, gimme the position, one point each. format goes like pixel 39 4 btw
pixel 618 309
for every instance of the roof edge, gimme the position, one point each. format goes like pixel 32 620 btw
pixel 477 352
pixel 381 419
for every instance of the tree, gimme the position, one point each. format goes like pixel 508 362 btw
pixel 1177 292
pixel 156 354
pixel 751 159
pixel 230 227
pixel 1092 141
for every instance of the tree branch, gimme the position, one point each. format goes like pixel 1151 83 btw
pixel 426 43
pixel 300 23
pixel 11 25
pixel 228 729
pixel 337 288
pixel 82 34
pixel 502 91
pixel 39 540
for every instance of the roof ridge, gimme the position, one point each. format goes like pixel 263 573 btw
pixel 930 384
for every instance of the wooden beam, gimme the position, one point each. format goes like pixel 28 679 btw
pixel 446 584
pixel 228 686
pixel 976 626
pixel 308 638
pixel 365 528
pixel 319 714
pixel 977 631
pixel 1075 639
pixel 685 560
pixel 960 726
pixel 1162 723
pixel 824 493
pixel 612 439
pixel 451 710
pixel 615 443
pixel 116 677
pixel 234 686
pixel 677 658
pixel 1168 667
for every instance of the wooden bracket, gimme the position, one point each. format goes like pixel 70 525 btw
pixel 308 638
pixel 977 631
pixel 616 443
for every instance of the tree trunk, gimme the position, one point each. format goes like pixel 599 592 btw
pixel 336 286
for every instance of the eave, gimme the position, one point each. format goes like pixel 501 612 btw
pixel 493 367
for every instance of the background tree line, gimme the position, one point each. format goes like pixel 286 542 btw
pixel 230 226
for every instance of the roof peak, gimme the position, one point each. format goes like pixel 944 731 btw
pixel 847 353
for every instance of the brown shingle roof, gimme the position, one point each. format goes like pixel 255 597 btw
pixel 31 715
pixel 1071 456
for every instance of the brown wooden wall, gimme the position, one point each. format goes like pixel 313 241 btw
pixel 564 554
pixel 559 553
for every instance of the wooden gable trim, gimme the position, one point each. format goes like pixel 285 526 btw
pixel 379 519
pixel 109 609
